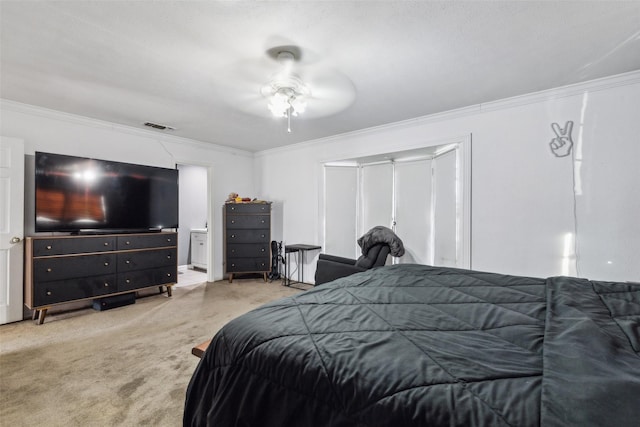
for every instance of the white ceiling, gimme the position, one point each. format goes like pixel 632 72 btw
pixel 198 66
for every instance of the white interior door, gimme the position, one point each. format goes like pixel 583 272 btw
pixel 413 193
pixel 341 193
pixel 424 196
pixel 445 211
pixel 376 194
pixel 11 228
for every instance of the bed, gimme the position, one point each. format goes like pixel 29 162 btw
pixel 414 345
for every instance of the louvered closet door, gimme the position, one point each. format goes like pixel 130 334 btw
pixel 413 189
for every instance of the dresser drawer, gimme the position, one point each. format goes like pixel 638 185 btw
pixel 72 245
pixel 141 241
pixel 248 221
pixel 248 250
pixel 247 236
pixel 252 208
pixel 73 289
pixel 129 261
pixel 145 278
pixel 64 267
pixel 238 265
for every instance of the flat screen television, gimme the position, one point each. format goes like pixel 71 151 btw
pixel 82 195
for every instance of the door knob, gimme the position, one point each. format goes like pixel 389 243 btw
pixel 15 240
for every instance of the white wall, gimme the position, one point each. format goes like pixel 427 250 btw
pixel 522 195
pixel 523 198
pixel 56 132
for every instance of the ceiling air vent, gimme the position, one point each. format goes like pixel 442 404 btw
pixel 158 126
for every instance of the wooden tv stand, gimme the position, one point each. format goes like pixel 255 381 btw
pixel 62 269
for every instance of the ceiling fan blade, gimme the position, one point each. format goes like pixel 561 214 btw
pixel 241 84
pixel 331 91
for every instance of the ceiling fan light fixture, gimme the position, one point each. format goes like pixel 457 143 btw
pixel 299 105
pixel 283 94
pixel 278 104
pixel 286 93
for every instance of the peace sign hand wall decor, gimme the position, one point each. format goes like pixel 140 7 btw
pixel 561 145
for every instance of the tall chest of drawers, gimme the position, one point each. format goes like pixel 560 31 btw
pixel 61 269
pixel 247 236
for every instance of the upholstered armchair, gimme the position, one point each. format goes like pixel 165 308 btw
pixel 376 246
pixel 331 267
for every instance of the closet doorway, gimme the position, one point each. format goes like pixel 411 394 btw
pixel 423 195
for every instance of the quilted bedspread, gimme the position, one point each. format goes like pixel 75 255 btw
pixel 413 345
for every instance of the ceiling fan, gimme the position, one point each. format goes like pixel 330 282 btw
pixel 284 84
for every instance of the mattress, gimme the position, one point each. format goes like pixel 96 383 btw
pixel 414 345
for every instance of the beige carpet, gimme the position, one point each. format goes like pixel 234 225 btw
pixel 127 366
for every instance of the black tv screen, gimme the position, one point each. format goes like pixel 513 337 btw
pixel 79 194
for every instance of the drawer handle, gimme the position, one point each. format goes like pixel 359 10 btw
pixel 233 222
pixel 168 240
pixel 49 293
pixel 168 274
pixel 262 250
pixel 48 270
pixel 168 256
pixel 128 281
pixel 262 235
pixel 48 247
pixel 106 263
pixel 233 251
pixel 127 243
pixel 233 208
pixel 262 221
pixel 106 285
pixel 233 265
pixel 106 243
pixel 127 262
pixel 233 235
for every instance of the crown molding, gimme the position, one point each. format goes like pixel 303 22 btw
pixel 604 83
pixel 625 79
pixel 19 107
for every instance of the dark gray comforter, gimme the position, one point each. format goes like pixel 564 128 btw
pixel 411 345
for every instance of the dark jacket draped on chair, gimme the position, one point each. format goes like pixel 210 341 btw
pixel 376 245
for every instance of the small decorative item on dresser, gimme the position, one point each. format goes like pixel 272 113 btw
pixel 247 233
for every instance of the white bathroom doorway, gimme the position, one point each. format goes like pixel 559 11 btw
pixel 194 217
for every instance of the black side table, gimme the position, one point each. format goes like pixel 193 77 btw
pixel 300 250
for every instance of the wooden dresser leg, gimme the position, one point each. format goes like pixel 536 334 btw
pixel 265 276
pixel 169 293
pixel 231 278
pixel 41 315
pixel 34 314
